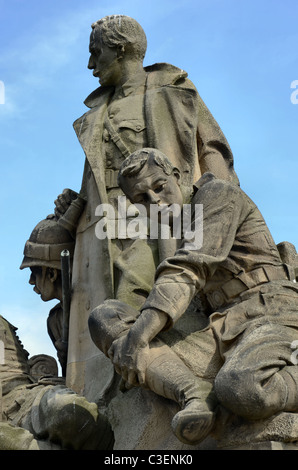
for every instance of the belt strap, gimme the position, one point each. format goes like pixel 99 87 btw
pixel 230 290
pixel 115 137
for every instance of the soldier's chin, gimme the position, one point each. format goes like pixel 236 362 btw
pixel 96 75
pixel 45 298
pixel 102 80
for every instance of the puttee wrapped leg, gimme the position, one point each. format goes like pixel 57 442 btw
pixel 166 375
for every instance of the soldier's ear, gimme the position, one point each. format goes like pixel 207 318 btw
pixel 120 51
pixel 177 174
pixel 52 274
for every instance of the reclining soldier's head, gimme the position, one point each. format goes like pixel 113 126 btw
pixel 148 177
pixel 42 254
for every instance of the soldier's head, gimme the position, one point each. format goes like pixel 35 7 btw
pixel 148 177
pixel 114 40
pixel 42 254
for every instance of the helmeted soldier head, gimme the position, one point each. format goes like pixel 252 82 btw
pixel 42 254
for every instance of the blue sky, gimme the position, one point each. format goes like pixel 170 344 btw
pixel 242 55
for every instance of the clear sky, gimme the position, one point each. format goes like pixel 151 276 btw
pixel 242 55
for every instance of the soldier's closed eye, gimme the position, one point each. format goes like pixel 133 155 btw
pixel 160 187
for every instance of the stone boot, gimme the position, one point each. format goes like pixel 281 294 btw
pixel 196 420
pixel 169 377
pixel 290 377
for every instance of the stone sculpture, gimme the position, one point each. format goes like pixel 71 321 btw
pixel 168 337
pixel 37 410
pixel 42 254
pixel 135 106
pixel 253 305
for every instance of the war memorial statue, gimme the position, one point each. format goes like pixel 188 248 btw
pixel 174 342
pixel 134 107
pixel 38 412
pixel 251 294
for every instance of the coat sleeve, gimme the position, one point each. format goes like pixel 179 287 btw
pixel 181 126
pixel 180 277
pixel 215 154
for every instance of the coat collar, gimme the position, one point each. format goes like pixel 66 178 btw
pixel 161 74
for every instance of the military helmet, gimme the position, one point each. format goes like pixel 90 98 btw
pixel 47 240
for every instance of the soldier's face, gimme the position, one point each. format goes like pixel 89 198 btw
pixel 152 186
pixel 42 283
pixel 104 62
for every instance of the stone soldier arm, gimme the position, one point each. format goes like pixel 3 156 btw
pixel 180 277
pixel 69 206
pixel 191 138
pixel 215 154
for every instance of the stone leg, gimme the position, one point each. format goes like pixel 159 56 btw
pixel 63 417
pixel 167 375
pixel 259 377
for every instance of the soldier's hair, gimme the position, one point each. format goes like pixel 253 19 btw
pixel 133 164
pixel 121 30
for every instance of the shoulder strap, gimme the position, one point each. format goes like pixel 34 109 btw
pixel 115 137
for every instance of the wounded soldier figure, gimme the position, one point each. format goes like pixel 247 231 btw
pixel 252 308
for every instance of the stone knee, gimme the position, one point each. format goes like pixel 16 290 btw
pixel 65 418
pixel 109 321
pixel 243 393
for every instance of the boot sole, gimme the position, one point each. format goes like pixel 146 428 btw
pixel 191 429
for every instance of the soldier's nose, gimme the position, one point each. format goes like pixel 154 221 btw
pixel 91 64
pixel 153 198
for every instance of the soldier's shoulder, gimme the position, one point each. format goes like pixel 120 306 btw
pixel 163 74
pixel 209 182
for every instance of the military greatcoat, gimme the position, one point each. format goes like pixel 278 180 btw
pixel 164 112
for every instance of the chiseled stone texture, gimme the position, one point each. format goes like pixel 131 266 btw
pixel 141 420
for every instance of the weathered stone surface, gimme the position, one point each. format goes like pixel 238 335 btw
pixel 206 328
pixel 150 417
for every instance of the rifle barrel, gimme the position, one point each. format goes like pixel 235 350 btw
pixel 66 291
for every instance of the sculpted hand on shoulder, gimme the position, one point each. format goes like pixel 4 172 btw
pixel 63 201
